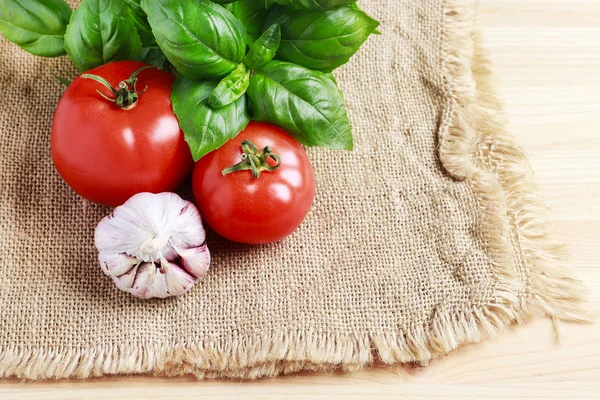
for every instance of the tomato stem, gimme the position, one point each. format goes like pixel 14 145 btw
pixel 255 160
pixel 126 94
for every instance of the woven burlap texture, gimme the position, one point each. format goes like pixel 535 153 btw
pixel 427 236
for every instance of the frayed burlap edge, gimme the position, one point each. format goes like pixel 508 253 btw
pixel 474 146
pixel 478 148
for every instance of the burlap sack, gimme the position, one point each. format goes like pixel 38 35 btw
pixel 427 236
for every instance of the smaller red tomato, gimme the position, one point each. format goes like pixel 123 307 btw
pixel 260 206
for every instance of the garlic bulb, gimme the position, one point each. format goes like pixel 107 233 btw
pixel 153 245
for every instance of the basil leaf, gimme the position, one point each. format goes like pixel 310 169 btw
pixel 315 4
pixel 153 56
pixel 322 40
pixel 252 14
pixel 141 23
pixel 101 31
pixel 265 48
pixel 200 38
pixel 37 26
pixel 206 129
pixel 305 103
pixel 231 88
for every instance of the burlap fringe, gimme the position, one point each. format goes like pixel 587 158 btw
pixel 478 148
pixel 473 139
pixel 258 356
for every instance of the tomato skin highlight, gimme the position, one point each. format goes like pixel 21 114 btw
pixel 107 154
pixel 255 210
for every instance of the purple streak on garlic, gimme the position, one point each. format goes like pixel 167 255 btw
pixel 196 260
pixel 153 246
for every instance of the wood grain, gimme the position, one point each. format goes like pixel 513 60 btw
pixel 547 54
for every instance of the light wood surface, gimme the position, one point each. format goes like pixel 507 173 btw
pixel 547 55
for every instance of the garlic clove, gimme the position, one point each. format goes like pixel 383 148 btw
pixel 125 281
pixel 159 287
pixel 118 233
pixel 144 280
pixel 116 264
pixel 188 231
pixel 178 280
pixel 195 260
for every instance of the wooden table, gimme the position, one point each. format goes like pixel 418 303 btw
pixel 547 54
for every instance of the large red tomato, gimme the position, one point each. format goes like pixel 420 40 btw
pixel 244 207
pixel 107 152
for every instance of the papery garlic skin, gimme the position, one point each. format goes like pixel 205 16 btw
pixel 153 246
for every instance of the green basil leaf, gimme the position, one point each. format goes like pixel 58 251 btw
pixel 231 88
pixel 315 4
pixel 204 128
pixel 153 56
pixel 37 26
pixel 252 14
pixel 101 31
pixel 305 103
pixel 141 23
pixel 264 49
pixel 332 77
pixel 224 1
pixel 200 38
pixel 322 40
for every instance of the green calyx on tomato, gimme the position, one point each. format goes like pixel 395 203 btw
pixel 255 160
pixel 126 94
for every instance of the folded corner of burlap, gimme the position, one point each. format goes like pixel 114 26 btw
pixel 403 261
pixel 477 147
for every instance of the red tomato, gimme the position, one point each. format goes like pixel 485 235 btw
pixel 252 210
pixel 108 154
